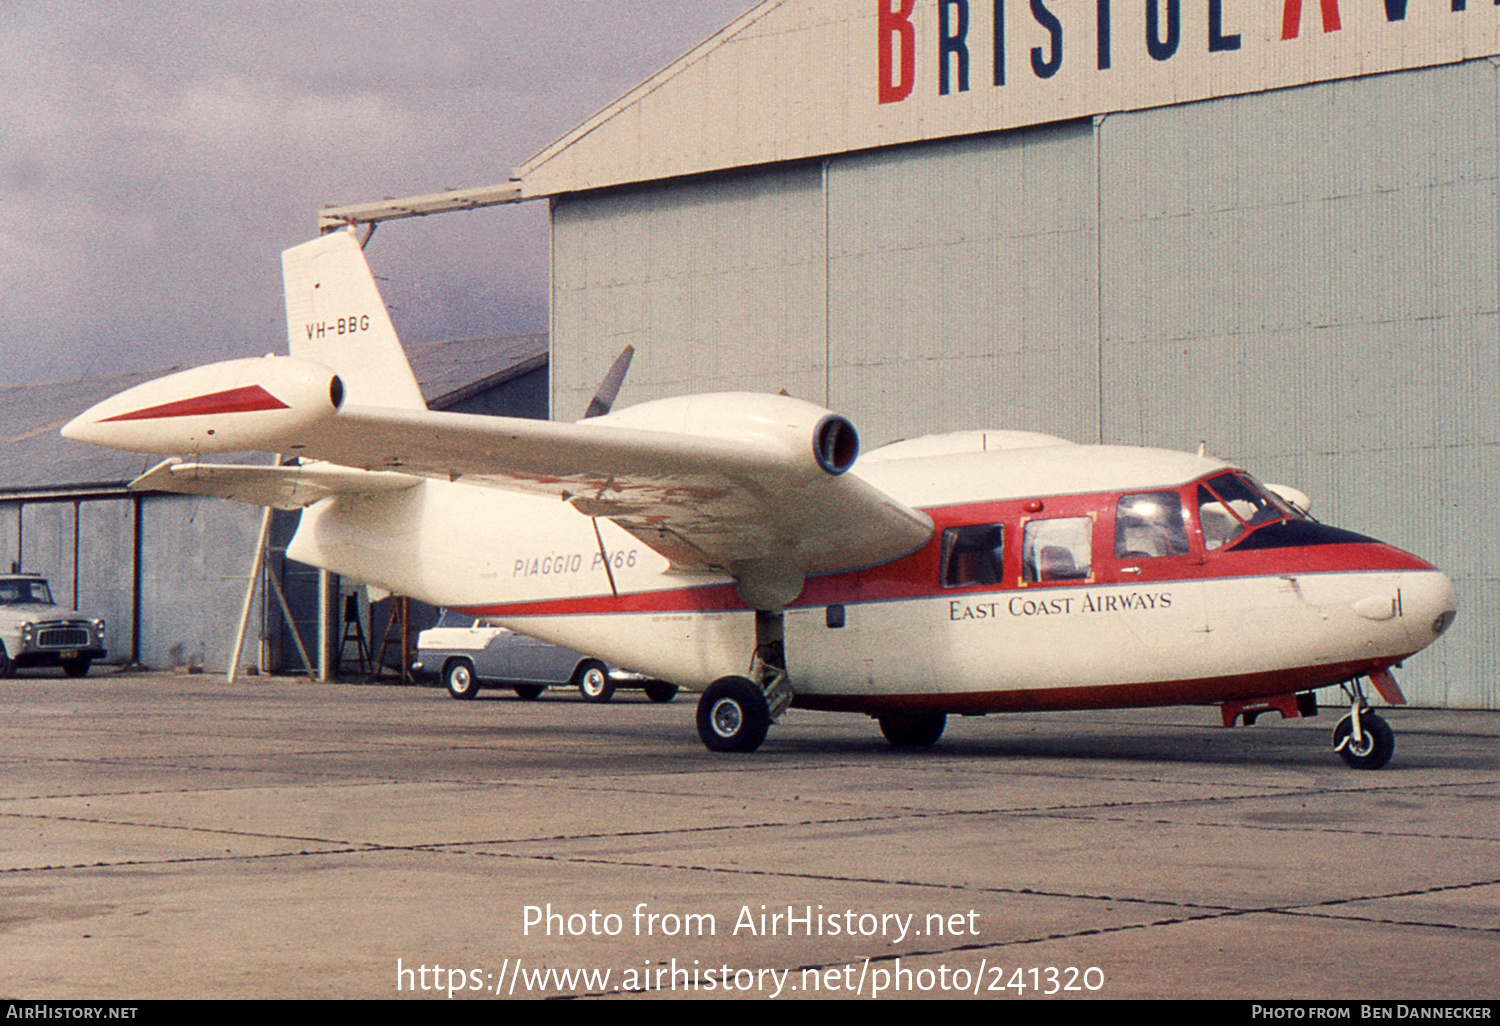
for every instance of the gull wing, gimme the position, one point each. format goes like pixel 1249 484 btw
pixel 758 504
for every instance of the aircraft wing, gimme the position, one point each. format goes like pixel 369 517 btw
pixel 753 485
pixel 290 487
pixel 749 506
pixel 753 505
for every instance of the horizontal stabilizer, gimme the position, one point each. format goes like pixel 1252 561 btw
pixel 290 487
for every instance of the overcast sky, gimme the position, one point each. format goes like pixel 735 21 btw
pixel 155 158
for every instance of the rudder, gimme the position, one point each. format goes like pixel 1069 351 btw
pixel 335 316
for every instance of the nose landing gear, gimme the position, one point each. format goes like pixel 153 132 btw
pixel 1362 739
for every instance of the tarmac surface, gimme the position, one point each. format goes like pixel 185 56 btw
pixel 174 836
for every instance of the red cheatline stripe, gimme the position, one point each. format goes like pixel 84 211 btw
pixel 234 400
pixel 915 578
pixel 676 600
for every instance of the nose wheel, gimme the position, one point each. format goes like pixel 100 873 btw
pixel 1362 739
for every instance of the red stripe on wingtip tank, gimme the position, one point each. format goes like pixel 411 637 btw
pixel 234 400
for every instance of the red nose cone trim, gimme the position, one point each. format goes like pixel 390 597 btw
pixel 235 400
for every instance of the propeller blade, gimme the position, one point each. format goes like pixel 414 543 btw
pixel 604 398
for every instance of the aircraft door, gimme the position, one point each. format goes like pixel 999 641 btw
pixel 1156 570
pixel 1151 538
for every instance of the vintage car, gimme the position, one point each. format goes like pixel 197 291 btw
pixel 466 654
pixel 34 632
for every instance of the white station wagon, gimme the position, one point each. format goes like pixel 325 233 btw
pixel 466 654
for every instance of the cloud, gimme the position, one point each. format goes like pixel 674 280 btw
pixel 158 157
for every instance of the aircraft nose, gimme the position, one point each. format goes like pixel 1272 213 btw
pixel 1448 606
pixel 1427 596
pixel 1428 603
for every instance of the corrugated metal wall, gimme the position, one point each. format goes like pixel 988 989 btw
pixel 195 563
pixel 963 285
pixel 195 558
pixel 39 537
pixel 1306 280
pixel 725 275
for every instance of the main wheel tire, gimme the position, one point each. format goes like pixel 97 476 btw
pixel 921 731
pixel 1376 744
pixel 527 692
pixel 733 716
pixel 76 667
pixel 660 690
pixel 460 679
pixel 593 682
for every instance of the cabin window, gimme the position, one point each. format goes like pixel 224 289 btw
pixel 1150 524
pixel 973 555
pixel 1057 550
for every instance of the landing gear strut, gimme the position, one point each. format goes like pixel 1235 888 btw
pixel 735 712
pixel 1362 739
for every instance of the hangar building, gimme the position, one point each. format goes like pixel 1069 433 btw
pixel 1266 226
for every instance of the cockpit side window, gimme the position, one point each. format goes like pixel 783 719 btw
pixel 1150 524
pixel 1229 505
pixel 1057 550
pixel 973 555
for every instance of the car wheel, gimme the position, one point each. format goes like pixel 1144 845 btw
pixel 660 690
pixel 593 682
pixel 76 667
pixel 7 664
pixel 459 676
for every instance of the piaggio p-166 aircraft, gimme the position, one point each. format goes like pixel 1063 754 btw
pixel 730 543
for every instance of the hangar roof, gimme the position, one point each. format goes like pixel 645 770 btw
pixel 450 372
pixel 35 460
pixel 803 79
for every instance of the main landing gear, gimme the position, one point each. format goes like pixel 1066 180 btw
pixel 735 712
pixel 1362 739
pixel 913 731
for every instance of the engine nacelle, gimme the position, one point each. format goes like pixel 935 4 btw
pixel 223 407
pixel 801 428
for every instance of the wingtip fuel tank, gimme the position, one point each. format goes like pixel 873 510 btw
pixel 224 407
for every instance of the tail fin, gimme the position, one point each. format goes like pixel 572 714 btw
pixel 335 316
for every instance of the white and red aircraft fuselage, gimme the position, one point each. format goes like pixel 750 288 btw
pixel 731 544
